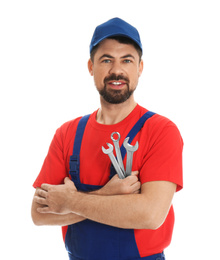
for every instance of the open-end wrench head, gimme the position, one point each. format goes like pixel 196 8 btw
pixel 109 150
pixel 130 147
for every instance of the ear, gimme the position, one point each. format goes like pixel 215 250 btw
pixel 90 67
pixel 141 67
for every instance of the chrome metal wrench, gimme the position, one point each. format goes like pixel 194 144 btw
pixel 118 150
pixel 109 152
pixel 130 150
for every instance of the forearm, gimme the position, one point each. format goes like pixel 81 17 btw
pixel 51 219
pixel 147 210
pixel 123 211
pixel 56 220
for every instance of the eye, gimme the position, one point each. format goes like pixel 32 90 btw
pixel 127 61
pixel 106 61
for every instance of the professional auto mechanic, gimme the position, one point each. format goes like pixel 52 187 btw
pixel 104 217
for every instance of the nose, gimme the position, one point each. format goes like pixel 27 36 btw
pixel 116 68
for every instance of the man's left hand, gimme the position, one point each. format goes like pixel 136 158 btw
pixel 55 198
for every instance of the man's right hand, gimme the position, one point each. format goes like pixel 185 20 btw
pixel 117 186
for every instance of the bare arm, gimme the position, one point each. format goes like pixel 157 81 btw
pixel 146 210
pixel 113 187
pixel 52 219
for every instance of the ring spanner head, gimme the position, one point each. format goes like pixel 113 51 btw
pixel 112 136
pixel 117 150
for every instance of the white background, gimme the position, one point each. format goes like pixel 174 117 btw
pixel 44 82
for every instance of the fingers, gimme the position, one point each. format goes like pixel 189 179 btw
pixel 70 184
pixel 40 200
pixel 134 182
pixel 136 187
pixel 130 184
pixel 67 180
pixel 134 173
pixel 133 178
pixel 42 193
pixel 44 210
pixel 46 186
pixel 40 196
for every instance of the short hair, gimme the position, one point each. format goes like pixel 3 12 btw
pixel 120 39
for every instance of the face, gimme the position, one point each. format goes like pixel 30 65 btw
pixel 116 69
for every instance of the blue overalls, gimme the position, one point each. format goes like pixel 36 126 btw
pixel 89 240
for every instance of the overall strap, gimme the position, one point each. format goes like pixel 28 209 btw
pixel 79 134
pixel 74 158
pixel 135 129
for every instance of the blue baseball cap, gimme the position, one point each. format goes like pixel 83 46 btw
pixel 115 27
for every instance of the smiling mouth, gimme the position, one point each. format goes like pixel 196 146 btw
pixel 116 84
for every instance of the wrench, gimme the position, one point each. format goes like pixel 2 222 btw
pixel 118 151
pixel 130 150
pixel 109 152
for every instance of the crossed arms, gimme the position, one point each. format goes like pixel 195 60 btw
pixel 123 203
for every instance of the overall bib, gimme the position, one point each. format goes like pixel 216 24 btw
pixel 89 240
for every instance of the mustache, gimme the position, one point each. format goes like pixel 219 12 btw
pixel 116 77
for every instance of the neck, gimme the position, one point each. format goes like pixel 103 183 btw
pixel 110 114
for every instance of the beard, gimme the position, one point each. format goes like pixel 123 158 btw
pixel 115 96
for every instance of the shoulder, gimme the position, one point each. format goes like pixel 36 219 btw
pixel 69 126
pixel 158 122
pixel 160 127
pixel 66 132
pixel 162 147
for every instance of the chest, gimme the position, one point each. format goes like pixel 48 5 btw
pixel 94 164
pixel 94 168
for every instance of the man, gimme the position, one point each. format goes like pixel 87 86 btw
pixel 103 216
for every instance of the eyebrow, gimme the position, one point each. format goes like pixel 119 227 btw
pixel 128 56
pixel 106 56
pixel 111 57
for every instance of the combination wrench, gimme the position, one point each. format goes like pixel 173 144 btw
pixel 130 150
pixel 109 152
pixel 117 150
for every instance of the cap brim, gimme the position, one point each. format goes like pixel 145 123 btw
pixel 114 34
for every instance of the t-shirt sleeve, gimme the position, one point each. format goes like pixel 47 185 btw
pixel 163 161
pixel 53 170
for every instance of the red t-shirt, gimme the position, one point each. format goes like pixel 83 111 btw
pixel 158 158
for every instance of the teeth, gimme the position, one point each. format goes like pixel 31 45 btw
pixel 116 83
